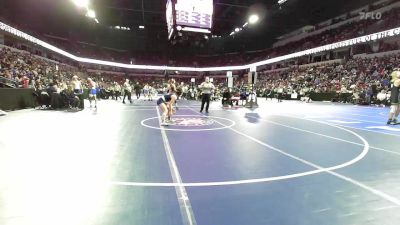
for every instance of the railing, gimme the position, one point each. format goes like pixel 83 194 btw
pixel 333 26
pixel 378 55
pixel 5 82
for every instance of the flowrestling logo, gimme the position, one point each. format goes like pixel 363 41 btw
pixel 370 15
pixel 191 122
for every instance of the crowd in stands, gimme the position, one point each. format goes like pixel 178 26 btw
pixel 389 19
pixel 52 81
pixel 362 79
pixel 21 69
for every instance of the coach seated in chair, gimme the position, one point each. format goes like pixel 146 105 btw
pixel 243 96
pixel 72 100
pixel 235 97
pixel 383 98
pixel 55 96
pixel 226 98
pixel 41 95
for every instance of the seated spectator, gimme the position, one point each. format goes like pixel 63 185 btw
pixel 72 99
pixel 226 97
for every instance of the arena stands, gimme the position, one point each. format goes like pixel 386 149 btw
pixel 363 78
pixel 345 28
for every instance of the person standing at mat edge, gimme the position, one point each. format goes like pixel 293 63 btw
pixel 78 90
pixel 206 88
pixel 394 98
pixel 127 91
pixel 92 92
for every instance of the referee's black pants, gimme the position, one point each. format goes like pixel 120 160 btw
pixel 127 93
pixel 205 99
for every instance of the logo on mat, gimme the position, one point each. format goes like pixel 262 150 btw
pixel 191 122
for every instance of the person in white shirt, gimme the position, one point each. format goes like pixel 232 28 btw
pixel 127 91
pixel 92 92
pixel 78 90
pixel 185 90
pixel 146 92
pixel 280 91
pixel 394 98
pixel 117 91
pixel 207 89
pixel 151 93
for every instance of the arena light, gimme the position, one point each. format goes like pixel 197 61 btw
pixel 91 14
pixel 329 47
pixel 253 19
pixel 81 3
pixel 141 27
pixel 237 29
pixel 280 2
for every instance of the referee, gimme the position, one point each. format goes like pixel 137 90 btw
pixel 206 88
pixel 127 91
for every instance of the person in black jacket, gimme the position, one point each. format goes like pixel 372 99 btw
pixel 226 97
pixel 54 93
pixel 138 90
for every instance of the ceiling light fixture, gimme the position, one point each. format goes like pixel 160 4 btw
pixel 91 14
pixel 81 3
pixel 253 19
pixel 280 2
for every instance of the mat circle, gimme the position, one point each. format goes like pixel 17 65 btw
pixel 195 120
pixel 318 169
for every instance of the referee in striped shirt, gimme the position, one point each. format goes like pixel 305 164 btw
pixel 207 89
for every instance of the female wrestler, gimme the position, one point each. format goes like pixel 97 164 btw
pixel 92 92
pixel 166 103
